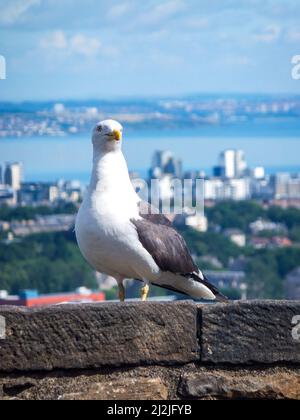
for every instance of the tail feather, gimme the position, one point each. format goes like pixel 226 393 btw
pixel 219 296
pixel 194 285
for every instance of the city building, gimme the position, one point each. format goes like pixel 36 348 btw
pixel 13 175
pixel 261 188
pixel 259 172
pixel 4 226
pixel 37 192
pixel 231 180
pixel 14 191
pixel 7 196
pixel 286 186
pixel 218 189
pixel 164 163
pixel 70 191
pixel 31 298
pixel 232 163
pixel 226 279
pixel 259 242
pixel 43 224
pixel 236 236
pixel 261 225
pixel 197 222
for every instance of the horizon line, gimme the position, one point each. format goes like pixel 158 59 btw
pixel 124 98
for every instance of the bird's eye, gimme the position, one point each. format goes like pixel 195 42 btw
pixel 99 128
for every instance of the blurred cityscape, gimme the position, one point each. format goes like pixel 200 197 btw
pixel 247 241
pixel 72 118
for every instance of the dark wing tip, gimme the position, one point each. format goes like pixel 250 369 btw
pixel 222 298
pixel 219 296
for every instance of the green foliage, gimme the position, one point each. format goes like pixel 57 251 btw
pixel 49 263
pixel 232 294
pixel 53 263
pixel 210 244
pixel 267 269
pixel 27 213
pixel 232 214
pixel 295 234
pixel 112 294
pixel 206 265
pixel 263 281
pixel 287 260
pixel 290 217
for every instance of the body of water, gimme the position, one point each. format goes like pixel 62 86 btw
pixel 49 159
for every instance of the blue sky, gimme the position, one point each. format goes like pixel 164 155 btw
pixel 63 49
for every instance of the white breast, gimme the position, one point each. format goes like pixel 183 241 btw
pixel 105 235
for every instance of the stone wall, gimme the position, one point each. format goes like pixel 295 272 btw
pixel 162 350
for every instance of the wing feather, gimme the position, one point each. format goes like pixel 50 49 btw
pixel 166 245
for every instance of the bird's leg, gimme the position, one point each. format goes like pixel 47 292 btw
pixel 144 292
pixel 121 292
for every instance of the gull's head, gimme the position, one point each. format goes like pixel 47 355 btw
pixel 107 135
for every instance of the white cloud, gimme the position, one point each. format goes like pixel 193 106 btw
pixel 237 60
pixel 196 23
pixel 294 35
pixel 56 40
pixel 13 10
pixel 81 44
pixel 162 11
pixel 119 10
pixel 76 44
pixel 270 34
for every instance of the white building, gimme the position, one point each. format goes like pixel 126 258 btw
pixel 227 162
pixel 163 190
pixel 164 163
pixel 13 175
pixel 197 222
pixel 236 236
pixel 240 163
pixel 229 189
pixel 286 186
pixel 233 163
pixel 240 189
pixel 189 218
pixel 259 172
pixel 261 225
pixel 213 188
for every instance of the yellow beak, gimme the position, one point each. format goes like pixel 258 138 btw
pixel 117 135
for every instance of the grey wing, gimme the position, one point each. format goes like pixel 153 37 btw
pixel 152 214
pixel 166 246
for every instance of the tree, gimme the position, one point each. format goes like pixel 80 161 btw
pixel 263 282
pixel 50 263
pixel 232 214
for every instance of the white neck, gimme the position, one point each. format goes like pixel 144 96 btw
pixel 110 172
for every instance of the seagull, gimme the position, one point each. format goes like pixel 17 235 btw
pixel 122 236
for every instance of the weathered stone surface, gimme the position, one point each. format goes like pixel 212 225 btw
pixel 97 335
pixel 157 382
pixel 17 386
pixel 123 389
pixel 237 385
pixel 249 332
